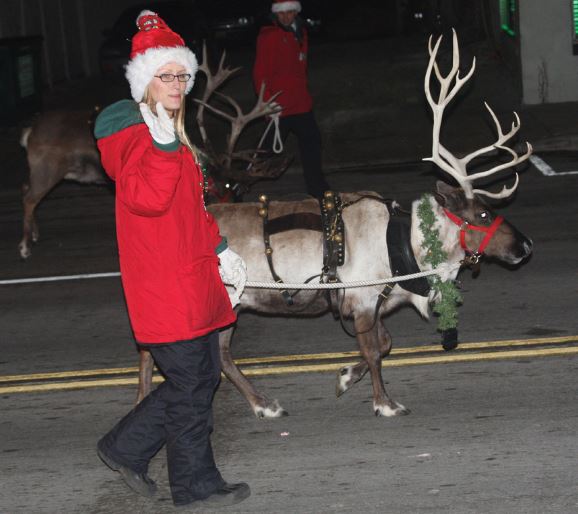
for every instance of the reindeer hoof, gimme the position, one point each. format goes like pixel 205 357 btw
pixel 345 379
pixel 388 411
pixel 273 410
pixel 24 251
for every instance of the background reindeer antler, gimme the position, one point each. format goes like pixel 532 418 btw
pixel 453 166
pixel 254 164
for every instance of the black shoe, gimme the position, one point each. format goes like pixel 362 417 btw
pixel 228 494
pixel 140 483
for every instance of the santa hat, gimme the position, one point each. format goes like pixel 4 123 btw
pixel 284 6
pixel 153 46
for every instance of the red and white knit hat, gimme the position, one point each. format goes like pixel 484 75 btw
pixel 285 5
pixel 153 46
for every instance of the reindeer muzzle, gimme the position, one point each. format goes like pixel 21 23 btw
pixel 465 226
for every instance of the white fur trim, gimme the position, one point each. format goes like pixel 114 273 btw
pixel 141 70
pixel 286 6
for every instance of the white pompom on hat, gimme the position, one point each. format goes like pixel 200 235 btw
pixel 153 46
pixel 285 5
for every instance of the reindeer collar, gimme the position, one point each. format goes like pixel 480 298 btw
pixel 472 257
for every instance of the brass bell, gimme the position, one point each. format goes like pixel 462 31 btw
pixel 328 194
pixel 263 198
pixel 263 212
pixel 329 205
pixel 337 238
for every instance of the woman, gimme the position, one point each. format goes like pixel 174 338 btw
pixel 168 245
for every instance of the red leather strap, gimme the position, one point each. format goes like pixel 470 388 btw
pixel 464 225
pixel 490 232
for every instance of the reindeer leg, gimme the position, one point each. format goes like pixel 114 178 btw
pixel 262 406
pixel 42 180
pixel 371 348
pixel 29 227
pixel 35 231
pixel 349 375
pixel 145 374
pixel 384 338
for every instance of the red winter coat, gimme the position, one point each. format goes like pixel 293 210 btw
pixel 167 241
pixel 281 63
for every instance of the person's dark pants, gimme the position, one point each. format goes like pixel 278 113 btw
pixel 308 136
pixel 178 413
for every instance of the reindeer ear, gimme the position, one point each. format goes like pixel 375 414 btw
pixel 444 194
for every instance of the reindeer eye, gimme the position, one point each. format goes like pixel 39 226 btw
pixel 484 216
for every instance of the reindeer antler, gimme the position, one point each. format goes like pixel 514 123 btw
pixel 240 120
pixel 257 167
pixel 453 166
pixel 214 80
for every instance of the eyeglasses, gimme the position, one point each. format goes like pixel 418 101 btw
pixel 169 77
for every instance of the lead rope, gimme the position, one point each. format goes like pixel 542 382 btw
pixel 442 269
pixel 277 141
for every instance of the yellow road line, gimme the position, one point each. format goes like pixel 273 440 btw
pixel 414 349
pixel 68 374
pixel 434 359
pixel 308 368
pixel 301 357
pixel 79 384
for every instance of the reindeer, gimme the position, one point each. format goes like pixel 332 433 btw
pixel 60 145
pixel 467 227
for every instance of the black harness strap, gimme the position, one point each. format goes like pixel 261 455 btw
pixel 329 223
pixel 333 244
pixel 264 213
pixel 296 221
pixel 401 257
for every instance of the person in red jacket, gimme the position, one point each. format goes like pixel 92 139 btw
pixel 281 65
pixel 173 262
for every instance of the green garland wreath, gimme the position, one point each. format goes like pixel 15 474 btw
pixel 448 296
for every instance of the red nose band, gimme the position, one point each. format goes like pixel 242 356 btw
pixel 464 226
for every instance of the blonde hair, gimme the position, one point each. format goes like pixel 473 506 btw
pixel 178 118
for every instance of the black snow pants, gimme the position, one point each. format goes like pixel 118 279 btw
pixel 177 413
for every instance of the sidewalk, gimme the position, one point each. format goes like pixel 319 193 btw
pixel 370 105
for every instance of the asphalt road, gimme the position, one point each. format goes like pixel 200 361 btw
pixel 496 434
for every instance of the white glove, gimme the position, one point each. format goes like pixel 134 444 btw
pixel 233 271
pixel 161 127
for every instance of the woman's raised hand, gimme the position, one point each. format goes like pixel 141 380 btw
pixel 161 126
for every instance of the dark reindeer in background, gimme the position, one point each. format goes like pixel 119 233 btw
pixel 60 146
pixel 298 254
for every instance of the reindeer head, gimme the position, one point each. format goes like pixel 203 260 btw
pixel 480 227
pixel 483 230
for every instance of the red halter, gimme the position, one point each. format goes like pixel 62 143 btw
pixel 464 225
